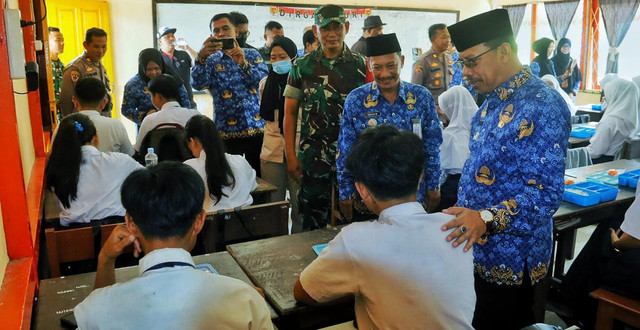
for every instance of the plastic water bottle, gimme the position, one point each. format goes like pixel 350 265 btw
pixel 151 158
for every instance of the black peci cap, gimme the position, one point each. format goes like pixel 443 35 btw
pixel 382 44
pixel 480 28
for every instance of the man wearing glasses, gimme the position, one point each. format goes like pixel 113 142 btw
pixel 232 75
pixel 513 181
pixel 319 83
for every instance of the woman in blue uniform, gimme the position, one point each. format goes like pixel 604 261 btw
pixel 136 101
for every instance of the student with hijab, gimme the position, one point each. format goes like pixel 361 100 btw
pixel 636 80
pixel 618 122
pixel 273 166
pixel 85 180
pixel 551 80
pixel 571 77
pixel 458 105
pixel 136 101
pixel 542 65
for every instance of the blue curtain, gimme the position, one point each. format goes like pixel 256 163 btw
pixel 617 16
pixel 560 15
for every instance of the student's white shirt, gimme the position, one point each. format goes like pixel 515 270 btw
pixel 631 224
pixel 609 137
pixel 179 297
pixel 239 194
pixel 112 136
pixel 171 112
pixel 458 104
pixel 402 271
pixel 99 182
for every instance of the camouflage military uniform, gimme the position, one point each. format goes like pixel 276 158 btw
pixel 57 68
pixel 321 85
pixel 82 67
pixel 433 72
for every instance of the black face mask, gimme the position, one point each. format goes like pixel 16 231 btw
pixel 242 39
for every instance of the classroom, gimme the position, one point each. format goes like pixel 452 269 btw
pixel 518 122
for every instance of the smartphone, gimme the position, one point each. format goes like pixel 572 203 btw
pixel 227 43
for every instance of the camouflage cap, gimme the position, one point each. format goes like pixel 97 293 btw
pixel 329 13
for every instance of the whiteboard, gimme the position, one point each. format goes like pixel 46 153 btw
pixel 192 22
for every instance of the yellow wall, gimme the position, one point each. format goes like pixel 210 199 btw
pixel 4 257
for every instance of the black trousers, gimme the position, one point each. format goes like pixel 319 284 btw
pixel 250 147
pixel 449 192
pixel 602 159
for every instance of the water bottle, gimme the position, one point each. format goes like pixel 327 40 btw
pixel 151 158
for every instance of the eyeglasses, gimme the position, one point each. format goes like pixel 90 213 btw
pixel 246 34
pixel 471 62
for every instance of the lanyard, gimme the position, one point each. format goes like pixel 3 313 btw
pixel 168 264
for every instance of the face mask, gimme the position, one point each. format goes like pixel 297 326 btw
pixel 281 67
pixel 242 40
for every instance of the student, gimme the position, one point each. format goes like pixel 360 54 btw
pixel 402 271
pixel 570 76
pixel 542 65
pixel 553 82
pixel 618 122
pixel 136 101
pixel 229 178
pixel 163 90
pixel 459 107
pixel 164 217
pixel 86 180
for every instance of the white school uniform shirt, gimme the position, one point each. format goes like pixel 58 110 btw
pixel 112 136
pixel 178 297
pixel 402 271
pixel 239 194
pixel 99 182
pixel 631 223
pixel 171 112
pixel 458 104
pixel 619 120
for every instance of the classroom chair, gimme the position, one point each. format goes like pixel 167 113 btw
pixel 242 224
pixel 168 141
pixel 612 306
pixel 631 148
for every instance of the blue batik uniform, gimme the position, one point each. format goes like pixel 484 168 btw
pixel 516 169
pixel 235 92
pixel 136 100
pixel 456 79
pixel 535 68
pixel 366 107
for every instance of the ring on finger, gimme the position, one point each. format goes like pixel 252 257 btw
pixel 463 229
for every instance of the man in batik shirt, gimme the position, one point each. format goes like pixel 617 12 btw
pixel 513 181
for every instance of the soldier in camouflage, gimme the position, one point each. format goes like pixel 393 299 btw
pixel 319 82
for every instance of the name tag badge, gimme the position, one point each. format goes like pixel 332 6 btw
pixel 372 114
pixel 417 127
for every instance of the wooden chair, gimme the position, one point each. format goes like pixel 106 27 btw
pixel 631 148
pixel 613 306
pixel 75 244
pixel 243 224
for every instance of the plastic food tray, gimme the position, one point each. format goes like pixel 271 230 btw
pixel 597 107
pixel 583 132
pixel 318 248
pixel 589 193
pixel 629 179
pixel 604 177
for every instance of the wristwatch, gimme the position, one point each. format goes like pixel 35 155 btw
pixel 489 217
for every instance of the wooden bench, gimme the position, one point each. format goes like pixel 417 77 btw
pixel 243 224
pixel 613 306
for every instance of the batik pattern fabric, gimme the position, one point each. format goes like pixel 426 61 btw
pixel 321 85
pixel 456 79
pixel 136 99
pixel 413 110
pixel 235 92
pixel 516 168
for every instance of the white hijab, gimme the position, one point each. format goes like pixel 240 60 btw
pixel 637 81
pixel 556 85
pixel 458 104
pixel 622 102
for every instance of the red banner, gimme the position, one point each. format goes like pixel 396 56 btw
pixel 291 12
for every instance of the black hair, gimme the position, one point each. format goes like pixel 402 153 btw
pixel 272 25
pixel 433 29
pixel 165 85
pixel 501 40
pixel 239 18
pixel 90 92
pixel 94 32
pixel 219 173
pixel 308 37
pixel 53 29
pixel 163 200
pixel 220 16
pixel 388 161
pixel 63 167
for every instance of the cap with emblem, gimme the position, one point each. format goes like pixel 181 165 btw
pixel 480 28
pixel 372 22
pixel 329 13
pixel 382 44
pixel 164 30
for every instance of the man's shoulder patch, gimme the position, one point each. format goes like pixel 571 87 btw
pixel 75 76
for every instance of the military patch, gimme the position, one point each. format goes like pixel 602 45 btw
pixel 434 64
pixel 418 68
pixel 434 55
pixel 75 75
pixel 438 75
pixel 450 62
pixel 437 82
pixel 89 69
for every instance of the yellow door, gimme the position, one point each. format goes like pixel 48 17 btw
pixel 73 18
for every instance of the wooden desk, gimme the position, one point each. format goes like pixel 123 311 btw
pixel 570 216
pixel 58 296
pixel 274 264
pixel 261 195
